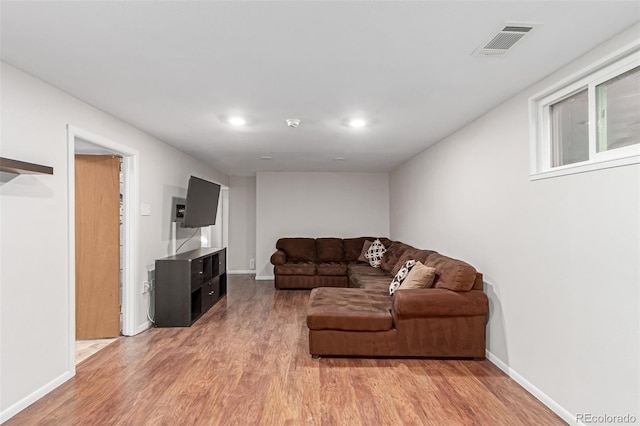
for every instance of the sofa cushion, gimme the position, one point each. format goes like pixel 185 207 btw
pixel 362 257
pixel 296 268
pixel 329 250
pixel 411 254
pixel 352 309
pixel 452 274
pixel 353 247
pixel 298 249
pixel 361 269
pixel 378 284
pixel 401 275
pixel 375 253
pixel 439 302
pixel 392 255
pixel 385 241
pixel 420 276
pixel 332 268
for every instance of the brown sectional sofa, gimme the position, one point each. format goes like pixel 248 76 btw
pixel 310 262
pixel 361 319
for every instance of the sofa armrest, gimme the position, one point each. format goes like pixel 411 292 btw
pixel 279 258
pixel 436 302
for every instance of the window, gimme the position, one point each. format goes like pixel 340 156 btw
pixel 618 106
pixel 589 121
pixel 569 131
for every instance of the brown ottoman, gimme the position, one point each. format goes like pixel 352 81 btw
pixel 353 309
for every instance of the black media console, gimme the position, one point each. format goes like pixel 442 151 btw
pixel 188 284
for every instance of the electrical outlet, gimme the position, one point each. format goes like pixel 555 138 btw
pixel 146 287
pixel 252 263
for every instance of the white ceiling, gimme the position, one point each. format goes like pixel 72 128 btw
pixel 178 69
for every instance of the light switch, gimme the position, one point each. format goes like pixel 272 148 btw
pixel 145 209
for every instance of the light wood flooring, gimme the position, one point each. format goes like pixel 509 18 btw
pixel 86 348
pixel 246 362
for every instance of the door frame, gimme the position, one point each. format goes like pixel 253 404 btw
pixel 130 169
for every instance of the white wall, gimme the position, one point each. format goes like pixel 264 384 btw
pixel 318 205
pixel 242 223
pixel 35 321
pixel 560 256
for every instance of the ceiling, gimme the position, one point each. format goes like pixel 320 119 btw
pixel 178 70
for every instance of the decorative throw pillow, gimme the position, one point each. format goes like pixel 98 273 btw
pixel 402 274
pixel 420 276
pixel 375 253
pixel 365 248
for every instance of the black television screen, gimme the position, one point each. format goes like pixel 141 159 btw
pixel 202 203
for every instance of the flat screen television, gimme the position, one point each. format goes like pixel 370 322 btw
pixel 201 206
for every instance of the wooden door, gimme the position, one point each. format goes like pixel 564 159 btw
pixel 97 183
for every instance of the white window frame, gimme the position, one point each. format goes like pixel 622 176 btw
pixel 588 78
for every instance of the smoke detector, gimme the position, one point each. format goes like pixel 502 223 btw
pixel 293 122
pixel 500 43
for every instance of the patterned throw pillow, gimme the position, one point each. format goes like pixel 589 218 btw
pixel 400 276
pixel 375 253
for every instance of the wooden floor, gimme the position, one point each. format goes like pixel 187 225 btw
pixel 246 362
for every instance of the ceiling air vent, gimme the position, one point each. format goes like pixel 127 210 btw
pixel 500 43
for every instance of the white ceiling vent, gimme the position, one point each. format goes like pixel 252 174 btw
pixel 509 35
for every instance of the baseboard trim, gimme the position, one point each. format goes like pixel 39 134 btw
pixel 144 326
pixel 264 277
pixel 533 390
pixel 33 397
pixel 242 272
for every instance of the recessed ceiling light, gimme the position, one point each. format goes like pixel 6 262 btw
pixel 266 157
pixel 339 159
pixel 237 121
pixel 357 123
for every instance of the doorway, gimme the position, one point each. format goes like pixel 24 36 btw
pixel 83 142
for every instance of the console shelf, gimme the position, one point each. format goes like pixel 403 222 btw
pixel 188 284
